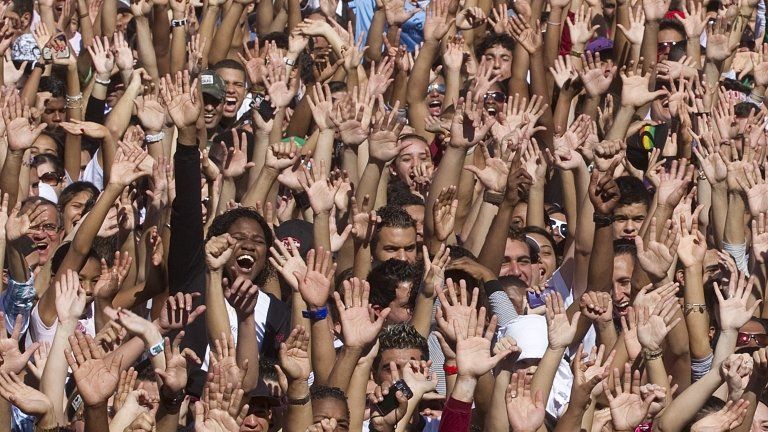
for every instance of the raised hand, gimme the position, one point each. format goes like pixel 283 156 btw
pixel 734 311
pixel 294 358
pixel 444 213
pixel 597 306
pixel 151 113
pixel 437 21
pixel 756 188
pixel 674 184
pixel 563 72
pixel 27 223
pixel 179 311
pixel 21 132
pixel 236 163
pixel 524 410
pixel 319 187
pixel 182 99
pixel 280 87
pixel 560 331
pixel 603 191
pixel 529 37
pixel 493 176
pixel 358 329
pixel 734 370
pixel 657 257
pixel 470 123
pixel 27 399
pixel 242 295
pixel 129 165
pixel 728 418
pixel 653 327
pixel 455 307
pixel 634 91
pixel 589 371
pixel 11 358
pixel 434 269
pixel 112 277
pixel 628 409
pixel 349 122
pixel 710 160
pixel 720 45
pixel 96 377
pixel 315 284
pixel 759 238
pixel 363 223
pixel 655 9
pixel 70 297
pixel 282 156
pixel 395 12
pixel 287 260
pixel 174 378
pixel 581 27
pixel 383 142
pixel 636 30
pixel 220 409
pixel 102 57
pixel 473 345
pixel 223 355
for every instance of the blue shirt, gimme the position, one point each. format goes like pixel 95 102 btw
pixel 412 31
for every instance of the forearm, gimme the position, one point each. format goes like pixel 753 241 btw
pixel 535 212
pixel 419 80
pixel 480 227
pixel 246 353
pixel 601 261
pixel 369 184
pixel 734 222
pixel 553 34
pixel 621 123
pixel 492 253
pixel 357 395
pixel 146 48
pixel 545 372
pixel 216 316
pixel 696 316
pixel 55 372
pixel 518 84
pixel 496 419
pixel 96 418
pixel 324 149
pixel 29 91
pixel 323 353
pixel 9 176
pixel 178 45
pixel 259 189
pixel 321 230
pixel 119 118
pixel 649 46
pixel 225 32
pixel 208 23
pixel 422 314
pixel 448 174
pixel 376 36
pixel 298 417
pixel 344 368
pixel 161 38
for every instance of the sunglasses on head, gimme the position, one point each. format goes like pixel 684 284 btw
pixel 760 339
pixel 440 88
pixel 50 178
pixel 497 96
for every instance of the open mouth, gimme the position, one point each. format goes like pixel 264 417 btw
pixel 245 262
pixel 41 246
pixel 435 107
pixel 621 307
pixel 230 103
pixel 491 108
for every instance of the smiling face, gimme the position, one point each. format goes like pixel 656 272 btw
pixel 49 236
pixel 623 265
pixel 547 256
pixel 249 257
pixel 517 261
pixel 436 96
pixel 234 80
pixel 213 109
pixel 73 210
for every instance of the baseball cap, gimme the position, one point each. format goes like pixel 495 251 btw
pixel 296 230
pixel 212 84
pixel 599 44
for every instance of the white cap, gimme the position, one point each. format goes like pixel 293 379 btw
pixel 530 333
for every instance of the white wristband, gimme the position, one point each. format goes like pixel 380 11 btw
pixel 157 348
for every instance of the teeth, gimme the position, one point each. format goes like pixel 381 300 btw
pixel 208 116
pixel 245 260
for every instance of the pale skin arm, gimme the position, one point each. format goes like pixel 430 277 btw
pixel 225 32
pixel 147 54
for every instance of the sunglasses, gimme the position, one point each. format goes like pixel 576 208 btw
pixel 761 339
pixel 670 44
pixel 559 226
pixel 497 96
pixel 440 88
pixel 50 178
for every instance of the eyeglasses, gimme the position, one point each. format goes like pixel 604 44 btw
pixel 48 227
pixel 761 339
pixel 497 96
pixel 559 226
pixel 50 178
pixel 440 88
pixel 669 44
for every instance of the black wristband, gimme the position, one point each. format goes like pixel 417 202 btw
pixel 495 198
pixel 601 220
pixel 299 402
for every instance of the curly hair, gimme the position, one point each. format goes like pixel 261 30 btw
pixel 401 336
pixel 320 392
pixel 391 217
pixel 224 221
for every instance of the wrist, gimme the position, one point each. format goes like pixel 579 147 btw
pixel 151 336
pixel 177 15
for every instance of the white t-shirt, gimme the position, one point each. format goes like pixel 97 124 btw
pixel 39 332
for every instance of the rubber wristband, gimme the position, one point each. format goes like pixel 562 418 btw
pixel 157 348
pixel 450 369
pixel 317 314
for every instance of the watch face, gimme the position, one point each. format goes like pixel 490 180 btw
pixel 36 51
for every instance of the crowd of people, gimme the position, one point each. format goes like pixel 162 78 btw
pixel 380 215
